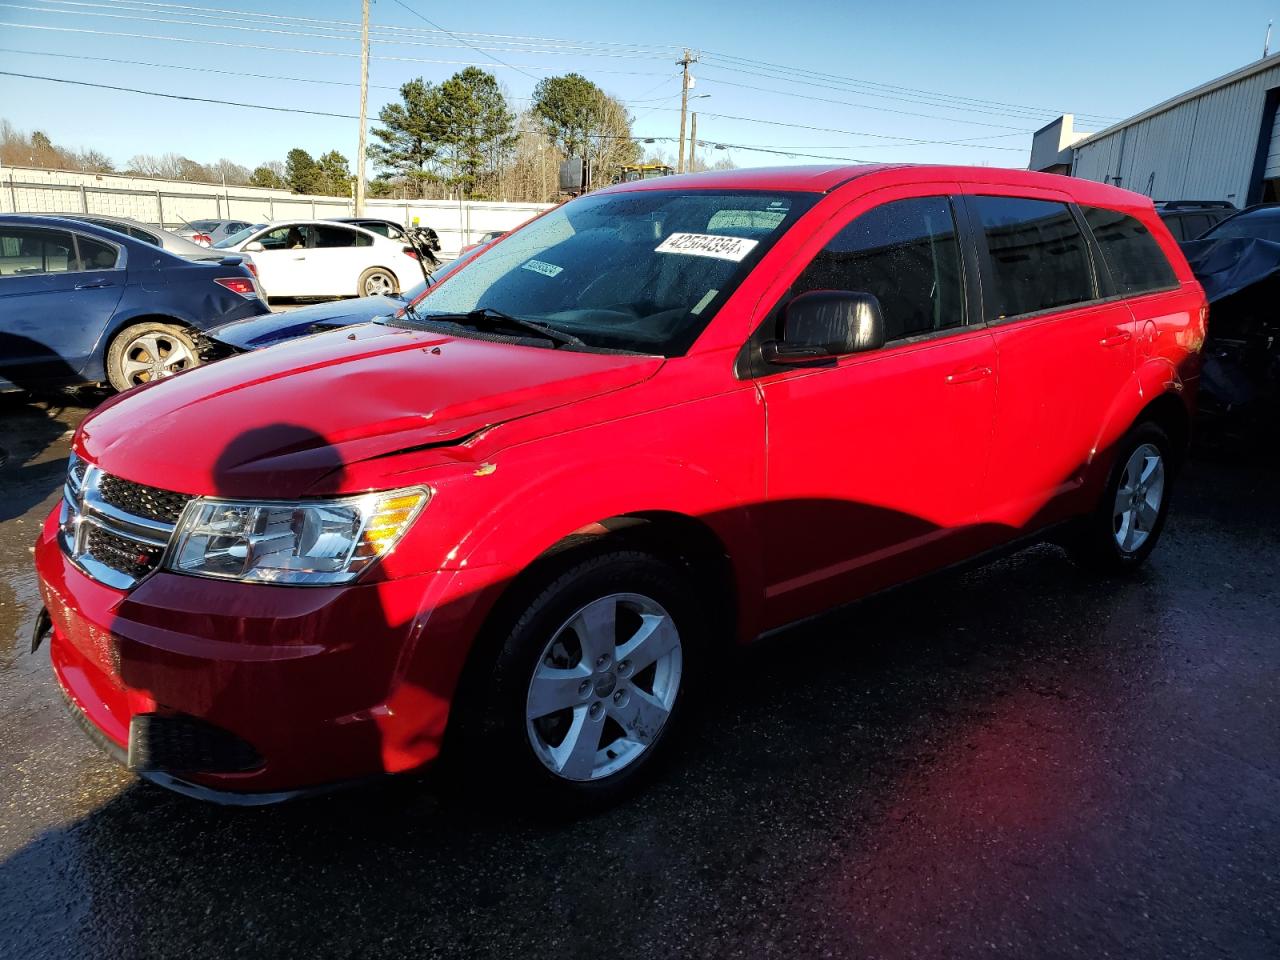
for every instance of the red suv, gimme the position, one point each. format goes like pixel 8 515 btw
pixel 519 521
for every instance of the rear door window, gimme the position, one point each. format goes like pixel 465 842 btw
pixel 1133 256
pixel 341 237
pixel 904 252
pixel 25 252
pixel 1039 259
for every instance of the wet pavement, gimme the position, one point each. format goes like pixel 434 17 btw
pixel 1012 761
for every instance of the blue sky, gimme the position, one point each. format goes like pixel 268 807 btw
pixel 979 75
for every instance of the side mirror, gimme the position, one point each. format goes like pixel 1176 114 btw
pixel 822 325
pixel 254 247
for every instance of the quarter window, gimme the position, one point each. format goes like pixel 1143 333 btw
pixel 906 254
pixel 1135 259
pixel 1038 256
pixel 96 255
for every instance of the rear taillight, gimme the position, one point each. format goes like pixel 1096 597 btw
pixel 410 252
pixel 253 267
pixel 241 285
pixel 203 239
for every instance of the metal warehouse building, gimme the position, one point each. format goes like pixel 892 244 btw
pixel 1219 141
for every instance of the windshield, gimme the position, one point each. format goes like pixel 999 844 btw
pixel 643 271
pixel 240 236
pixel 1262 225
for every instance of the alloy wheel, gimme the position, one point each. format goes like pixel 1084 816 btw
pixel 604 687
pixel 155 355
pixel 378 284
pixel 1139 498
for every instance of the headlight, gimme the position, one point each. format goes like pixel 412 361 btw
pixel 308 542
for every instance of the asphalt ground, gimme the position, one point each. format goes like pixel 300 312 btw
pixel 1013 761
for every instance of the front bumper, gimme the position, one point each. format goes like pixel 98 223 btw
pixel 322 685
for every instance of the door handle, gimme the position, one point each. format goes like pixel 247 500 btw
pixel 94 284
pixel 300 258
pixel 970 375
pixel 1116 338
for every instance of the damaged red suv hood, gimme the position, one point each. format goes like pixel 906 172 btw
pixel 272 423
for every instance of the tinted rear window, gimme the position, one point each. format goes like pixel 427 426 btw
pixel 1135 259
pixel 1038 256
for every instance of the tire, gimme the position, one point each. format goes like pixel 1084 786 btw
pixel 1112 540
pixel 375 281
pixel 540 669
pixel 149 351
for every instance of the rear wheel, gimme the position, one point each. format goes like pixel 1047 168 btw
pixel 376 282
pixel 149 351
pixel 588 686
pixel 1124 528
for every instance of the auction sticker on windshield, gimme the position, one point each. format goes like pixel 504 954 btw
pixel 546 269
pixel 707 245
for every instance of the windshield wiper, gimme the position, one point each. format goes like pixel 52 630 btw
pixel 487 317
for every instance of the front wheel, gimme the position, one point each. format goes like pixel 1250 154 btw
pixel 1124 528
pixel 589 684
pixel 149 351
pixel 377 282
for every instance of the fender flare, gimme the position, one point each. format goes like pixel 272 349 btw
pixel 1153 378
pixel 535 516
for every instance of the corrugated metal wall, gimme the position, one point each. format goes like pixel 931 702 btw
pixel 1201 149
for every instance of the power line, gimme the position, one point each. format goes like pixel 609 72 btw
pixel 937 95
pixel 661 52
pixel 184 66
pixel 343 30
pixel 132 17
pixel 299 50
pixel 424 19
pixel 805 126
pixel 178 96
pixel 236 73
pixel 601 48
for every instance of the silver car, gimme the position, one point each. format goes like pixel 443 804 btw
pixel 208 232
pixel 148 233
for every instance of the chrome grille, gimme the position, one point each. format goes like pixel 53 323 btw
pixel 122 554
pixel 142 501
pixel 115 530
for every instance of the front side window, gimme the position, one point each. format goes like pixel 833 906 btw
pixel 24 252
pixel 1133 256
pixel 292 237
pixel 642 271
pixel 96 255
pixel 906 254
pixel 1038 257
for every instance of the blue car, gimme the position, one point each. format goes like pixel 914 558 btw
pixel 255 333
pixel 83 304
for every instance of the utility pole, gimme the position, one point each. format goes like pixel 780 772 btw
pixel 688 58
pixel 693 141
pixel 364 105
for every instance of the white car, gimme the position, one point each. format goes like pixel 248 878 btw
pixel 320 258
